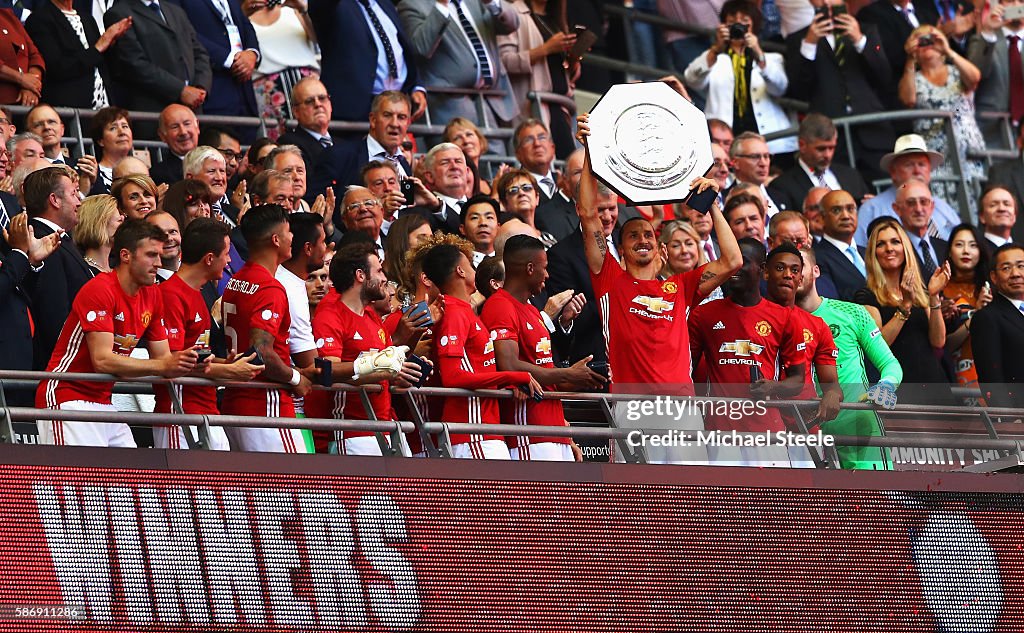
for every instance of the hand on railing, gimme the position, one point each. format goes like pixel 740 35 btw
pixel 882 394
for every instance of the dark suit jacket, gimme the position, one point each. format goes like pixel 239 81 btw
pixel 1010 174
pixel 557 216
pixel 349 55
pixel 153 60
pixel 791 187
pixel 939 249
pixel 450 223
pixel 169 170
pixel 69 67
pixel 311 148
pixel 839 268
pixel 997 336
pixel 339 166
pixel 567 267
pixel 226 96
pixel 831 88
pixel 53 289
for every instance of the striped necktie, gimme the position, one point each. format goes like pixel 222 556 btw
pixel 486 74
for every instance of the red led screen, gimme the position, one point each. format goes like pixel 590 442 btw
pixel 186 550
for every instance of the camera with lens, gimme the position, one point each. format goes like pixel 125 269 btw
pixel 737 31
pixel 926 40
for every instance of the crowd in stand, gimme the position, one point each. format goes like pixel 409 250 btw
pixel 310 257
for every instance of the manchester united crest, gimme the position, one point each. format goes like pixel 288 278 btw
pixel 808 336
pixel 763 328
pixel 669 287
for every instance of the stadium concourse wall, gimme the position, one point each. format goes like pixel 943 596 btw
pixel 203 541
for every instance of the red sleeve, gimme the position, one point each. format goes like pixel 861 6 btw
pixel 156 329
pixel 604 280
pixel 391 323
pixel 451 335
pixel 94 306
pixel 453 375
pixel 499 318
pixel 269 307
pixel 327 334
pixel 827 352
pixel 174 320
pixel 793 350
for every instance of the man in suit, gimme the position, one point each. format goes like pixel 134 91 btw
pixel 341 164
pixel 535 152
pixel 179 129
pixel 21 252
pixel 989 49
pixel 230 41
pixel 752 163
pixel 312 106
pixel 362 212
pixel 207 165
pixel 838 255
pixel 557 215
pixel 159 60
pixel 997 217
pixel 567 267
pixel 44 121
pixel 360 60
pixel 445 176
pixel 52 202
pixel 914 207
pixel 814 166
pixel 997 331
pixel 836 66
pixel 910 160
pixel 455 43
pixel 1009 175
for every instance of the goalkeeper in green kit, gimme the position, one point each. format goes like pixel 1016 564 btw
pixel 856 336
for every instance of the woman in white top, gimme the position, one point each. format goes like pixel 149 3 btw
pixel 289 53
pixel 741 80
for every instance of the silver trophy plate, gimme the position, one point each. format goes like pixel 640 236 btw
pixel 648 143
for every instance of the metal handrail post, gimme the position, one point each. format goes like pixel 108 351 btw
pixel 958 170
pixel 6 426
pixel 630 455
pixel 76 129
pixel 818 459
pixel 418 419
pixel 385 447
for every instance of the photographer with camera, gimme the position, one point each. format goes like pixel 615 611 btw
pixel 741 80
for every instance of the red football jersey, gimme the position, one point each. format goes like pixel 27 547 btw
pixel 510 320
pixel 188 324
pixel 819 345
pixel 644 324
pixel 465 360
pixel 253 299
pixel 341 333
pixel 100 306
pixel 732 339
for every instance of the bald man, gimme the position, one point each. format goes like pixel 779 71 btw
pixel 914 206
pixel 179 128
pixel 838 255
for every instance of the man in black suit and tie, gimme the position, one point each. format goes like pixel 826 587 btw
pixel 1009 174
pixel 364 51
pixel 914 207
pixel 997 217
pixel 836 66
pixel 21 252
pixel 557 215
pixel 341 164
pixel 838 255
pixel 179 129
pixel 311 104
pixel 44 122
pixel 159 60
pixel 52 202
pixel 536 153
pixel 567 267
pixel 997 331
pixel 814 166
pixel 445 176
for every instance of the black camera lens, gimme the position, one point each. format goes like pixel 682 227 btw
pixel 737 31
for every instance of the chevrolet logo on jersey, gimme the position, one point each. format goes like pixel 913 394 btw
pixel 742 348
pixel 126 342
pixel 657 305
pixel 544 346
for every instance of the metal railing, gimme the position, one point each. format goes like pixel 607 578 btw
pixel 439 431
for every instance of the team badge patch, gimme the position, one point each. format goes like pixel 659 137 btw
pixel 835 329
pixel 763 328
pixel 808 336
pixel 669 287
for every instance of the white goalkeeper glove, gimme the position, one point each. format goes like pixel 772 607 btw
pixel 388 360
pixel 883 394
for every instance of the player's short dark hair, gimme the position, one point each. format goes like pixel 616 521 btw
pixel 132 232
pixel 754 248
pixel 490 269
pixel 39 185
pixel 622 229
pixel 785 247
pixel 202 236
pixel 440 262
pixel 347 260
pixel 259 222
pixel 520 248
pixel 475 200
pixel 304 230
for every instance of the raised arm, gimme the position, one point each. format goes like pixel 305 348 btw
pixel 594 245
pixel 716 272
